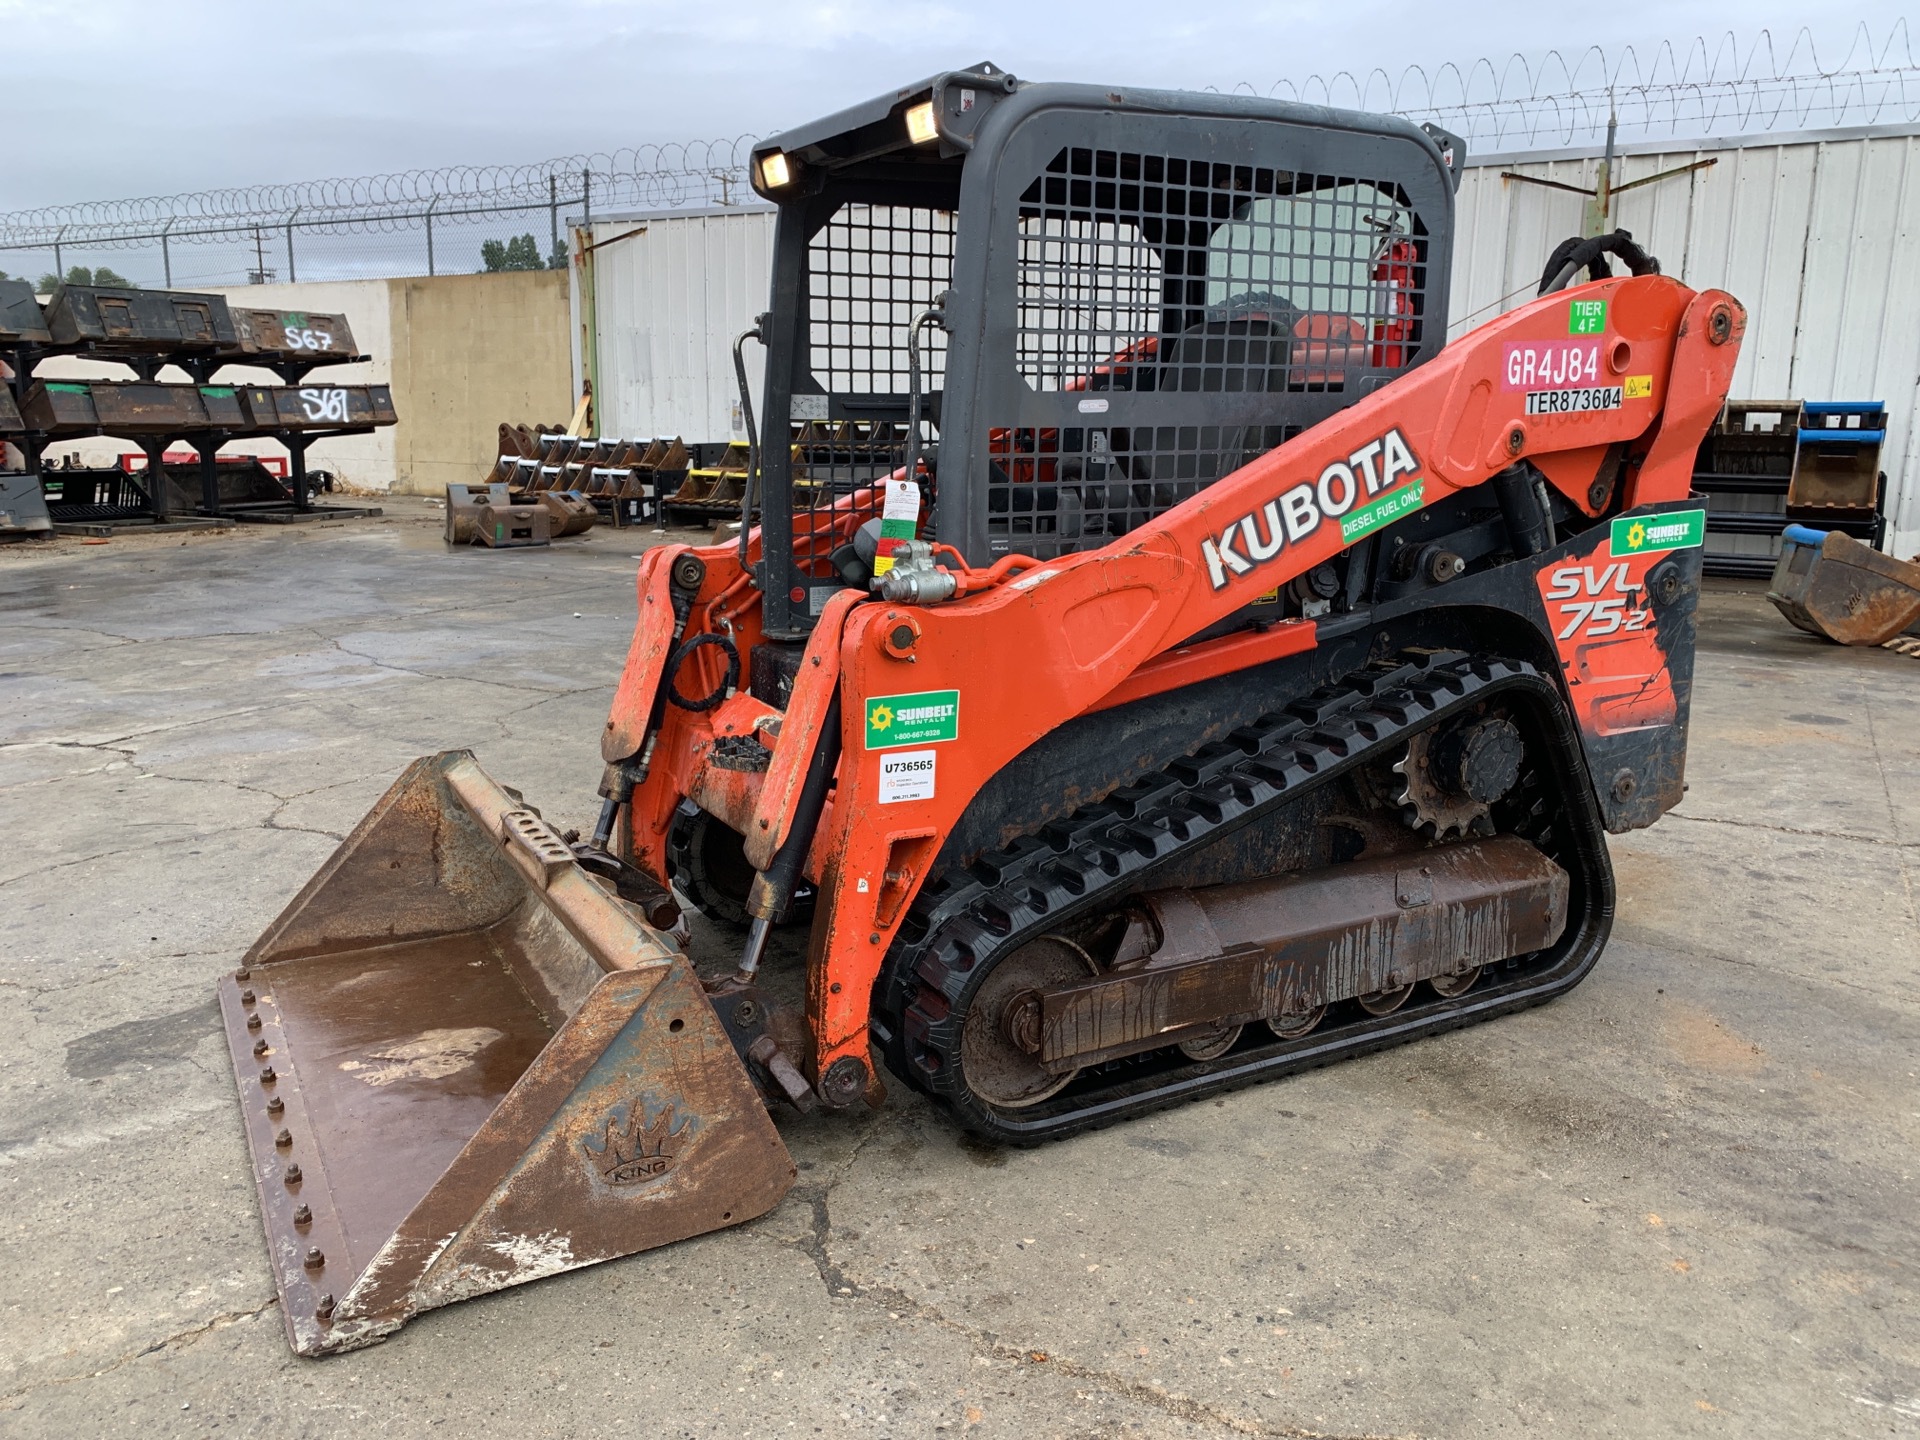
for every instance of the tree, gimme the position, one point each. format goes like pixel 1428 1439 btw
pixel 81 275
pixel 558 259
pixel 520 253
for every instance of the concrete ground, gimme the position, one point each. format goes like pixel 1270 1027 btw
pixel 1681 1201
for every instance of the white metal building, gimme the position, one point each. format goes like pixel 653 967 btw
pixel 670 293
pixel 1814 232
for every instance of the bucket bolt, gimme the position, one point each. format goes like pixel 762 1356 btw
pixel 243 974
pixel 276 1105
pixel 247 997
pixel 324 1308
pixel 253 1022
pixel 302 1215
pixel 259 1047
pixel 267 1077
pixel 315 1258
pixel 293 1174
pixel 283 1139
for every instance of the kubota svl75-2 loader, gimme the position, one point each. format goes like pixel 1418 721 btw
pixel 1164 661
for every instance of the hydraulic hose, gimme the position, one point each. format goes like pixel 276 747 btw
pixel 773 887
pixel 935 316
pixel 1570 257
pixel 751 484
pixel 684 580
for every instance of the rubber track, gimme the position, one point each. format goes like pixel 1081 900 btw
pixel 1092 860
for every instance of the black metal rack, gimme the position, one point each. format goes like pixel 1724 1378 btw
pixel 148 330
pixel 1770 463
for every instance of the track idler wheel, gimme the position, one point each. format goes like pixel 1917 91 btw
pixel 1385 1002
pixel 1294 1027
pixel 1451 987
pixel 1217 1041
pixel 1000 1039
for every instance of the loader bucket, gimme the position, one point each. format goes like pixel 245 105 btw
pixel 1831 585
pixel 465 1065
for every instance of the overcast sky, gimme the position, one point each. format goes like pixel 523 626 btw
pixel 117 98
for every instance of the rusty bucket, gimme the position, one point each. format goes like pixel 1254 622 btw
pixel 1831 585
pixel 465 1065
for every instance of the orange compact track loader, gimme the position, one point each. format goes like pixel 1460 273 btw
pixel 1213 671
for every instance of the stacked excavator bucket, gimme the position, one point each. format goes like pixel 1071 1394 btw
pixel 602 469
pixel 714 490
pixel 465 1064
pixel 1831 585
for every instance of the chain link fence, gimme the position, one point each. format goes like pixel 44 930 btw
pixel 437 222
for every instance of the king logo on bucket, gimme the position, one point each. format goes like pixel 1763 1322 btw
pixel 635 1153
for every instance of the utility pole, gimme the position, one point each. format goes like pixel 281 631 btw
pixel 1597 214
pixel 1600 207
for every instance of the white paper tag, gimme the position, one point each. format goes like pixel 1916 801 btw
pixel 807 407
pixel 906 775
pixel 903 501
pixel 1094 405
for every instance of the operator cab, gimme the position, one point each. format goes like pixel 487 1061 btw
pixel 1116 298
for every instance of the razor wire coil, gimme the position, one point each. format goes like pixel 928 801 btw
pixel 1696 90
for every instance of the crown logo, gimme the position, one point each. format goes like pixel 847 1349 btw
pixel 638 1153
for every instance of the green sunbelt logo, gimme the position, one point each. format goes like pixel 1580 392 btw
pixel 912 719
pixel 1678 530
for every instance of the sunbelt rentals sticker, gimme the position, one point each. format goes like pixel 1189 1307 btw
pixel 1676 530
pixel 922 719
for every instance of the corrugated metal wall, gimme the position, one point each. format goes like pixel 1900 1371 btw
pixel 1815 233
pixel 671 296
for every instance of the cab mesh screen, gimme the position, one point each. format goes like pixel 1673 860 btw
pixel 870 270
pixel 1203 285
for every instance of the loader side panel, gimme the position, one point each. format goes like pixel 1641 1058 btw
pixel 1621 605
